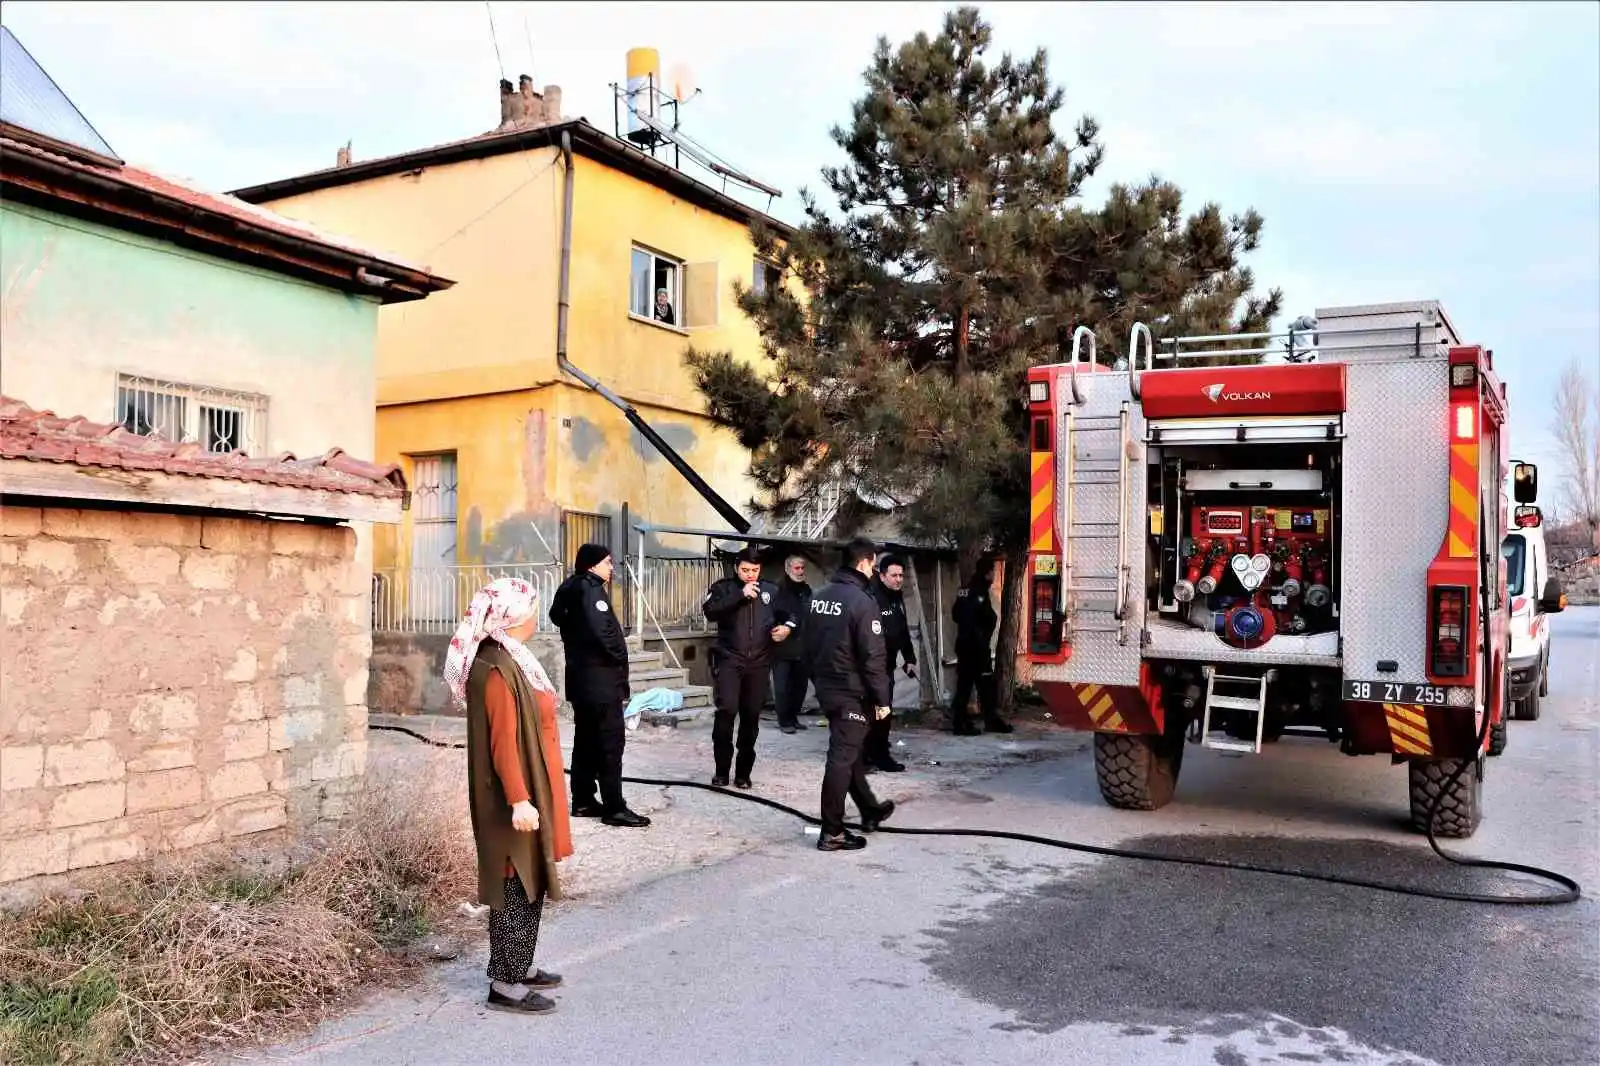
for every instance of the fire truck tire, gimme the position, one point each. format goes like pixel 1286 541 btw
pixel 1137 773
pixel 1461 809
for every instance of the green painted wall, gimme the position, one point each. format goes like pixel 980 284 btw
pixel 83 302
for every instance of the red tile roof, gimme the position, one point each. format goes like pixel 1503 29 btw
pixel 41 436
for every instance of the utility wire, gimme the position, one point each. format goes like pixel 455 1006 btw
pixel 495 37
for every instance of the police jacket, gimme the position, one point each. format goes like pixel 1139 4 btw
pixel 795 598
pixel 744 625
pixel 975 620
pixel 896 628
pixel 591 637
pixel 844 642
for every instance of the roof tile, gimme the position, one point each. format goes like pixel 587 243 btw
pixel 42 436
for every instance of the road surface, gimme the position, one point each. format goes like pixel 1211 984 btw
pixel 937 951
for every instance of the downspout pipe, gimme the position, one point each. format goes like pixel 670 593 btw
pixel 564 305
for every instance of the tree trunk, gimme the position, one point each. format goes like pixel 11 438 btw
pixel 1005 652
pixel 961 343
pixel 930 672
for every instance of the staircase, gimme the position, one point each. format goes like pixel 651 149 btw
pixel 811 520
pixel 648 669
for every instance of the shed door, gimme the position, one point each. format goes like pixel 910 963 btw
pixel 433 540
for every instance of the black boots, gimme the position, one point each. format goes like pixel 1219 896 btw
pixel 845 841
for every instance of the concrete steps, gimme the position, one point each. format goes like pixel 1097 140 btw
pixel 648 669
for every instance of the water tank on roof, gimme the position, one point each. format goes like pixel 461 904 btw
pixel 643 92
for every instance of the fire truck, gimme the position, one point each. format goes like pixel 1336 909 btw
pixel 1224 553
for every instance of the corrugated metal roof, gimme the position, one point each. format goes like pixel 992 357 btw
pixel 31 99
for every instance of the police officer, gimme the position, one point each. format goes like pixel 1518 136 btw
pixel 749 625
pixel 597 687
pixel 848 660
pixel 887 589
pixel 975 620
pixel 789 676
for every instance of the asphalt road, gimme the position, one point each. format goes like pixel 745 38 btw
pixel 933 951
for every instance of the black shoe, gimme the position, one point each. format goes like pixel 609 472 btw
pixel 870 822
pixel 967 729
pixel 532 1003
pixel 626 819
pixel 789 729
pixel 720 780
pixel 541 979
pixel 889 766
pixel 846 841
pixel 742 782
pixel 998 725
pixel 587 810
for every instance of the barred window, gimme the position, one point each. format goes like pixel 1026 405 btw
pixel 219 420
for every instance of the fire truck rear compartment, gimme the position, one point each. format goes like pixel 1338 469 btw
pixel 1242 589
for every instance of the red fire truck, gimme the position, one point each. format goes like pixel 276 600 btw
pixel 1226 554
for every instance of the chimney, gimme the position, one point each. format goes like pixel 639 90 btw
pixel 343 159
pixel 508 105
pixel 552 103
pixel 523 108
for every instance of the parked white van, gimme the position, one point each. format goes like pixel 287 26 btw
pixel 1534 597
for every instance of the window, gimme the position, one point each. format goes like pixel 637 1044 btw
pixel 764 276
pixel 1515 550
pixel 656 291
pixel 219 420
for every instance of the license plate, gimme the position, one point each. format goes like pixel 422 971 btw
pixel 1395 692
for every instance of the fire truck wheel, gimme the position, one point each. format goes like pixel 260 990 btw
pixel 1462 807
pixel 1137 773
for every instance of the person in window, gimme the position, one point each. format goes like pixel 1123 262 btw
pixel 664 308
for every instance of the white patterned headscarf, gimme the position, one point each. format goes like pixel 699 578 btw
pixel 499 605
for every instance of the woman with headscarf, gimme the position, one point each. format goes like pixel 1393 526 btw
pixel 515 779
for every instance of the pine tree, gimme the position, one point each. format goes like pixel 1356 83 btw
pixel 958 256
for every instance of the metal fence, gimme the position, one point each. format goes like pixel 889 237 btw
pixel 675 589
pixel 433 599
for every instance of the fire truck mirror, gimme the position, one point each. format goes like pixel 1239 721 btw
pixel 1525 483
pixel 1554 601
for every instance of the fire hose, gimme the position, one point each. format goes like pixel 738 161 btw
pixel 1570 890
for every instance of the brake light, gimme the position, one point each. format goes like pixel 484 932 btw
pixel 1449 644
pixel 1044 634
pixel 1465 421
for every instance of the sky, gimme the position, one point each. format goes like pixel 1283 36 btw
pixel 1397 151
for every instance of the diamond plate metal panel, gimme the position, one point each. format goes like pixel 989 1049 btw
pixel 1099 657
pixel 1396 490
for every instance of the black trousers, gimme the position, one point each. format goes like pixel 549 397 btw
pixel 789 679
pixel 875 749
pixel 974 672
pixel 598 737
pixel 846 773
pixel 739 688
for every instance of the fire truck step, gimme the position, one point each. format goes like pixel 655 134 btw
pixel 1253 704
pixel 1082 481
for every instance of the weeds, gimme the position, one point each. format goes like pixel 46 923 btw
pixel 163 959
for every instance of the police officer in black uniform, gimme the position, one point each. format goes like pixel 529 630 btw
pixel 845 649
pixel 597 687
pixel 887 590
pixel 975 620
pixel 749 625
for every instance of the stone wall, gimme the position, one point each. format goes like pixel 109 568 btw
pixel 408 671
pixel 169 680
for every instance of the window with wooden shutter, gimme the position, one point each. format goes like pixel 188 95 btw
pixel 702 301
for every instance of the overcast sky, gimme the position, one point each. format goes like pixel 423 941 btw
pixel 1397 151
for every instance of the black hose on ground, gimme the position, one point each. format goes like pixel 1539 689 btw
pixel 1570 893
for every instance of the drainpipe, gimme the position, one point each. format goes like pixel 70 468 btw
pixel 731 516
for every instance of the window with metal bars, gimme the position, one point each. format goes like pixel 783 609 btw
pixel 219 420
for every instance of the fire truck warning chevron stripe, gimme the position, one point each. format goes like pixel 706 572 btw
pixel 1463 499
pixel 1408 729
pixel 1042 538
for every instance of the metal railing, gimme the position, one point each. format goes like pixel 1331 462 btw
pixel 675 589
pixel 433 599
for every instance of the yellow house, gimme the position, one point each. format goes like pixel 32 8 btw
pixel 511 460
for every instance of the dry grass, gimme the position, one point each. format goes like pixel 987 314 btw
pixel 167 958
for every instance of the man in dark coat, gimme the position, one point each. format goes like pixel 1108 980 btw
pixel 844 647
pixel 597 687
pixel 749 625
pixel 888 591
pixel 789 674
pixel 975 620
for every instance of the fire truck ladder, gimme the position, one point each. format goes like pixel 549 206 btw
pixel 1095 515
pixel 1253 704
